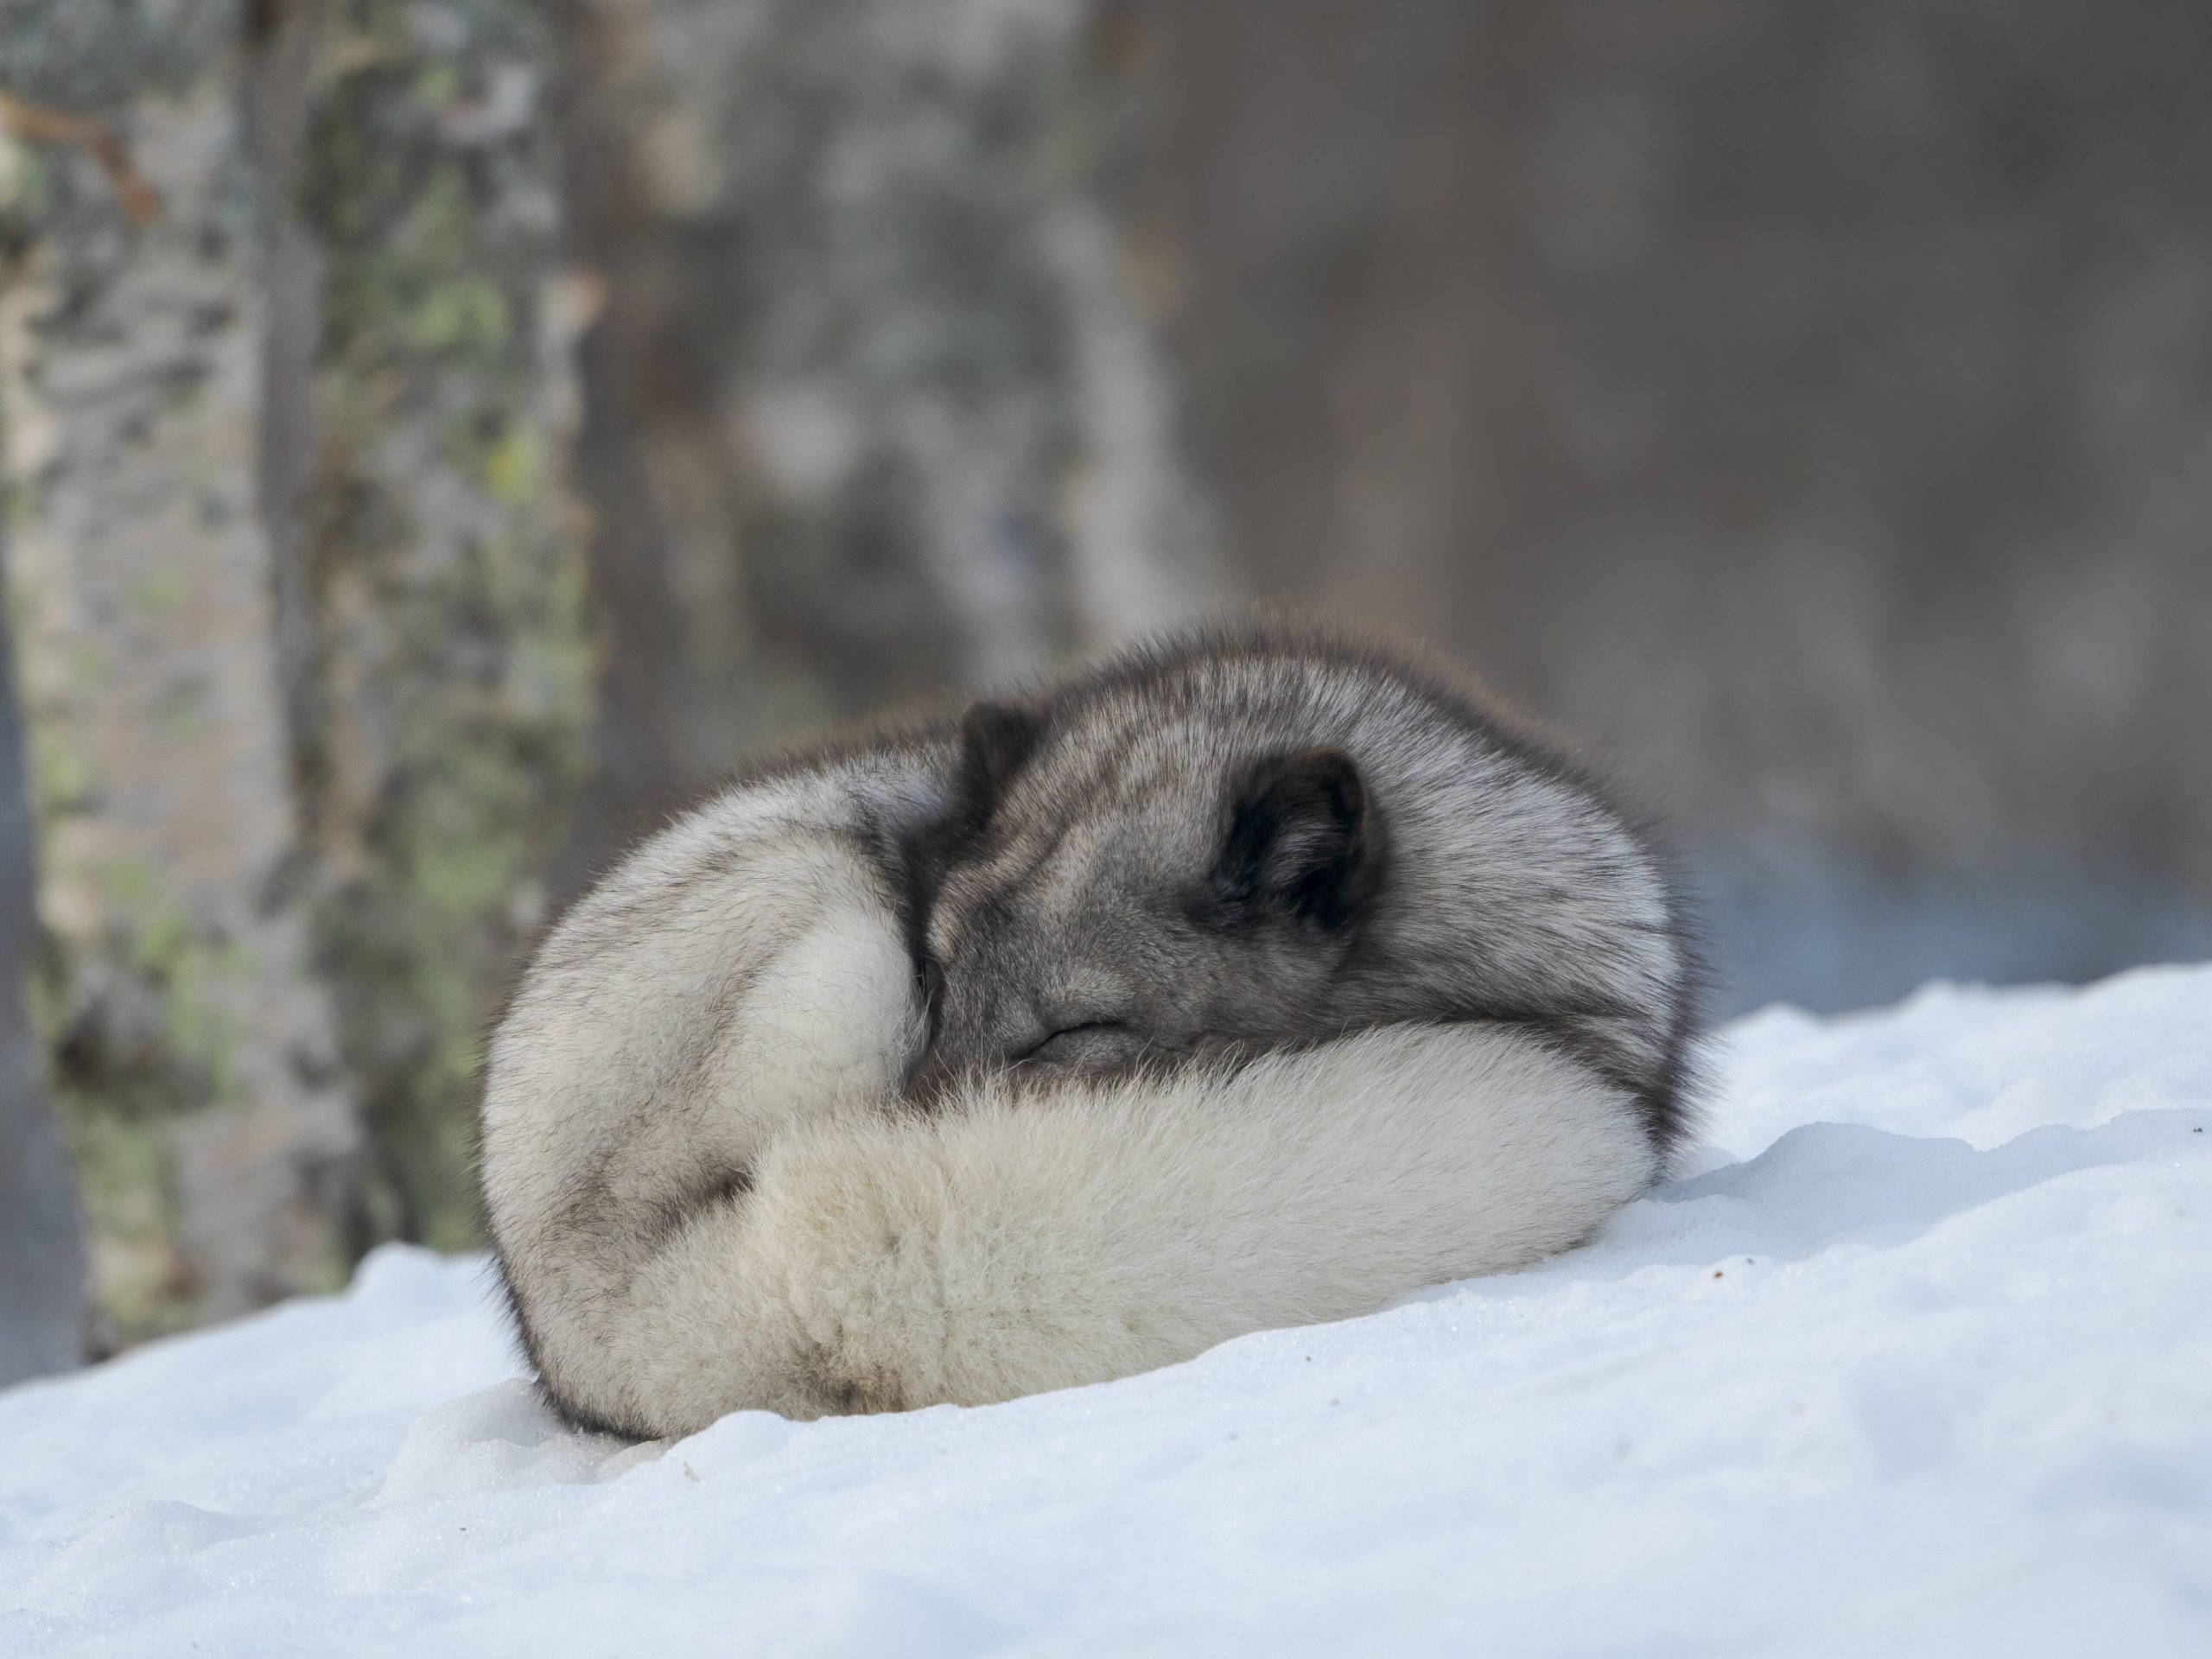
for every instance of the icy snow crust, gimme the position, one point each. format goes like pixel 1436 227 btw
pixel 1922 1363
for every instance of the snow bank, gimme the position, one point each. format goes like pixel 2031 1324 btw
pixel 1922 1363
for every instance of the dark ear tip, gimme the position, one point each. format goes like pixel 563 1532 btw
pixel 1334 774
pixel 1298 836
pixel 1322 778
pixel 994 726
pixel 996 740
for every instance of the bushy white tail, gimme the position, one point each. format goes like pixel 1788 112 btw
pixel 1044 1240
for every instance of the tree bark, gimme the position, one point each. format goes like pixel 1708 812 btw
pixel 439 594
pixel 195 1044
pixel 42 1307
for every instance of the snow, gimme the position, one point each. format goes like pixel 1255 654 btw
pixel 1921 1363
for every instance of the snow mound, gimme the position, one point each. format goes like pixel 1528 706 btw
pixel 1921 1363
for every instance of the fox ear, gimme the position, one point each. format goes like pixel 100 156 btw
pixel 1299 839
pixel 996 740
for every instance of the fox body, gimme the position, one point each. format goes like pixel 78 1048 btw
pixel 1246 979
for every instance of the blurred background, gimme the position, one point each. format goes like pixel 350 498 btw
pixel 439 435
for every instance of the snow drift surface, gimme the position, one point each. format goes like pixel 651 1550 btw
pixel 1922 1363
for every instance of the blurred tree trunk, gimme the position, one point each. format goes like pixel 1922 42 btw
pixel 437 611
pixel 868 409
pixel 195 1047
pixel 42 1313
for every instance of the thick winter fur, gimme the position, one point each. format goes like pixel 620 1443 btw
pixel 1249 980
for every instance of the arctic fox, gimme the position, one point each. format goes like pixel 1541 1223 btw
pixel 1250 978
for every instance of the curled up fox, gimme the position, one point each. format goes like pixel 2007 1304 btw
pixel 1250 978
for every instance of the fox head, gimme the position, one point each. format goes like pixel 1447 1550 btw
pixel 1160 897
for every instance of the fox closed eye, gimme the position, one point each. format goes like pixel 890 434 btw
pixel 1071 1042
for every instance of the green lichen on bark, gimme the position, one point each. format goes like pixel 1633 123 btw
pixel 186 1040
pixel 349 441
pixel 447 733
